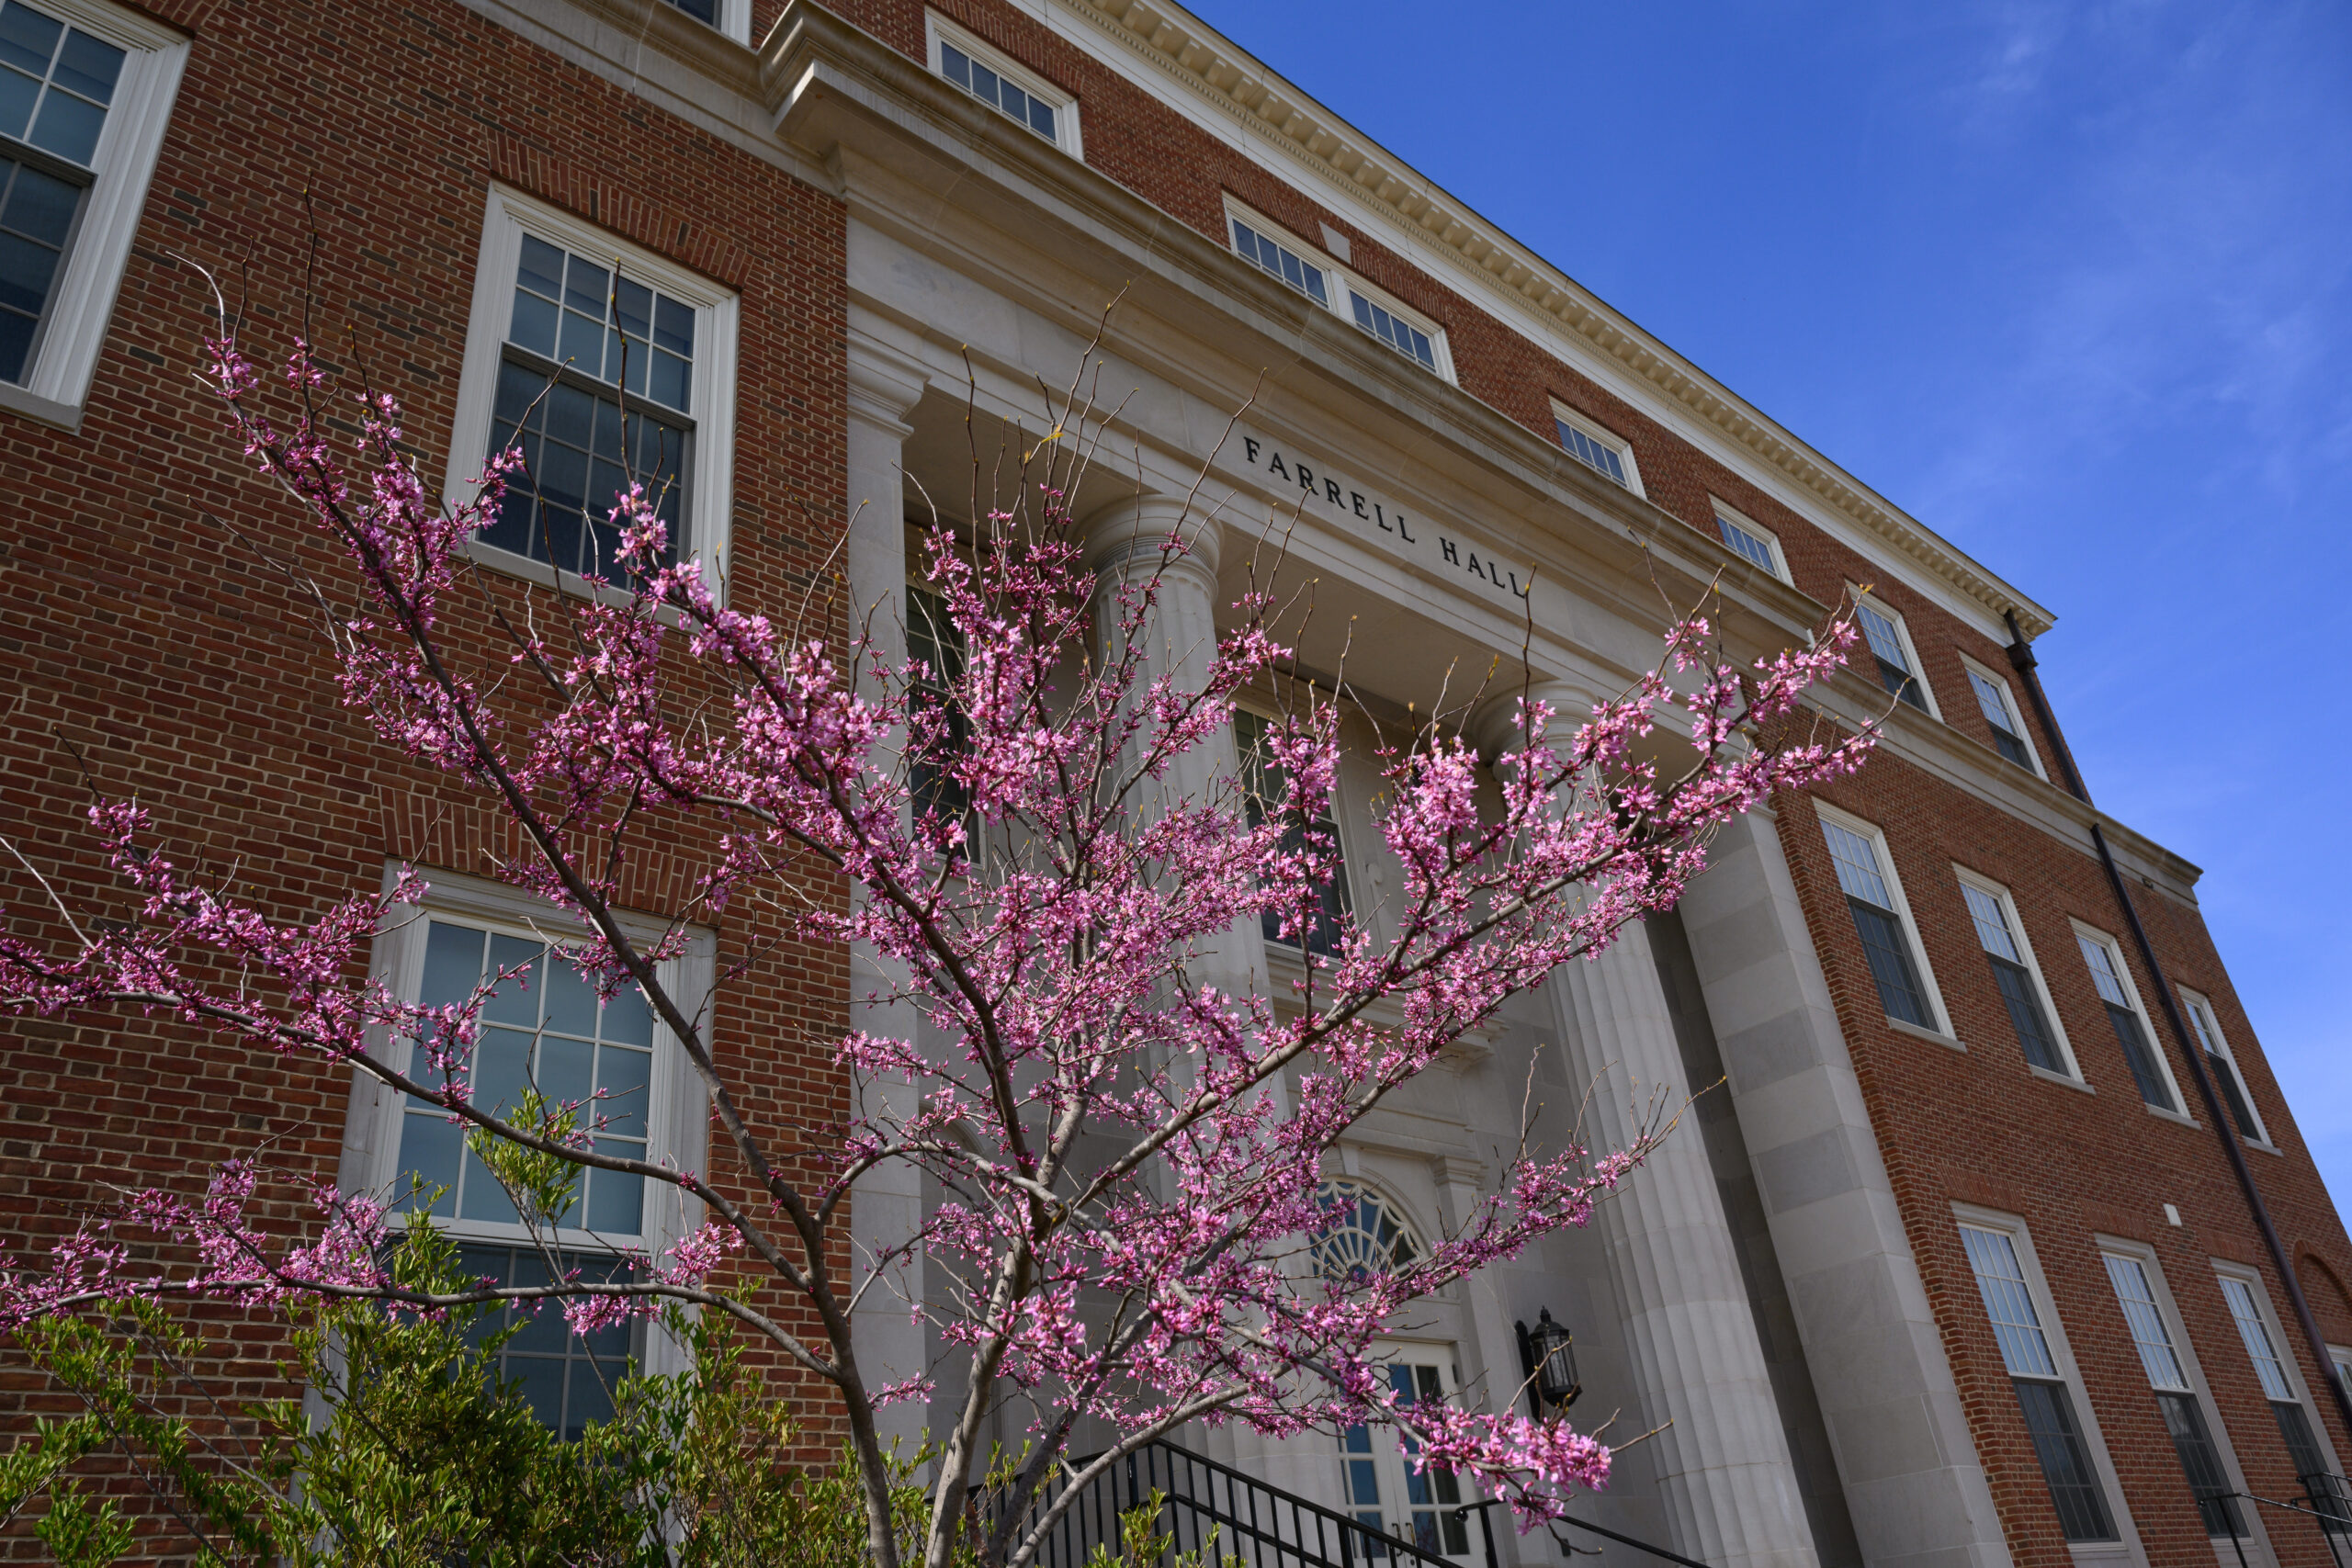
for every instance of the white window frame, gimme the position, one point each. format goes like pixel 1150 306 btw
pixel 1746 524
pixel 734 19
pixel 2179 1112
pixel 1066 134
pixel 1942 1033
pixel 1601 435
pixel 1374 294
pixel 2054 1331
pixel 64 361
pixel 2073 1076
pixel 2212 1021
pixel 1903 636
pixel 509 215
pixel 1338 280
pixel 677 1106
pixel 2185 1351
pixel 2290 1361
pixel 2017 716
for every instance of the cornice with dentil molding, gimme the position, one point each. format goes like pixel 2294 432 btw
pixel 1188 50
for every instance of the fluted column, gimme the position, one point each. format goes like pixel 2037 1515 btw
pixel 1122 543
pixel 1725 1474
pixel 885 1205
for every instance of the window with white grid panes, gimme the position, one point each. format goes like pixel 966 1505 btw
pixel 2323 1489
pixel 568 1379
pixel 2223 1066
pixel 1749 542
pixel 1993 916
pixel 542 1029
pixel 1878 921
pixel 2105 961
pixel 1271 256
pixel 1003 84
pixel 596 389
pixel 84 88
pixel 2043 1397
pixel 1588 445
pixel 1392 329
pixel 603 366
pixel 2176 1402
pixel 1891 651
pixel 1994 701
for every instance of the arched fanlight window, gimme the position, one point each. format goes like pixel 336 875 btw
pixel 1366 1232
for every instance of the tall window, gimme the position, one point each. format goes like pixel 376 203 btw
pixel 55 84
pixel 1265 782
pixel 1994 701
pixel 2013 974
pixel 2106 964
pixel 2323 1488
pixel 1892 651
pixel 542 1029
pixel 1878 920
pixel 84 91
pixel 2184 1418
pixel 2223 1066
pixel 934 637
pixel 583 331
pixel 603 365
pixel 2042 1391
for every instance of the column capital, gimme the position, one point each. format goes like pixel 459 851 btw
pixel 1132 531
pixel 1494 724
pixel 884 385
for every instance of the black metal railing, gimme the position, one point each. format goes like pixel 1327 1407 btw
pixel 1220 1512
pixel 1225 1514
pixel 2327 1503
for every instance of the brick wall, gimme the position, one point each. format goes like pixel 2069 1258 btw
pixel 183 668
pixel 1979 1127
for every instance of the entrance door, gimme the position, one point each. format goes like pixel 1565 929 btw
pixel 1384 1492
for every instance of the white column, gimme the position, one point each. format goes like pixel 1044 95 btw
pixel 1914 1485
pixel 1121 544
pixel 1725 1474
pixel 885 1206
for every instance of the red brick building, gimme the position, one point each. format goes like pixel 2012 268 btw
pixel 1957 1267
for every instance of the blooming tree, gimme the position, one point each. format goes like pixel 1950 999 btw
pixel 1130 1158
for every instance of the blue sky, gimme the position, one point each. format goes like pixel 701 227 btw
pixel 2071 283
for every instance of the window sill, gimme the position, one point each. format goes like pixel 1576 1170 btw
pixel 2162 1114
pixel 1948 1041
pixel 2077 1085
pixel 2271 1149
pixel 42 411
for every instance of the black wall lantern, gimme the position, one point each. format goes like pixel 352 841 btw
pixel 1547 1355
